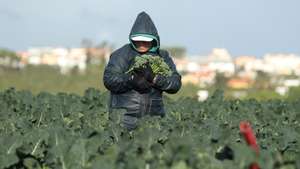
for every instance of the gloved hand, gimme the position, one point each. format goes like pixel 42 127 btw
pixel 139 83
pixel 159 81
pixel 146 72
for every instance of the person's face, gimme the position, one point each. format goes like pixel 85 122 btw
pixel 142 46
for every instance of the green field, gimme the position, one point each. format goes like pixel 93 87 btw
pixel 55 121
pixel 48 79
pixel 68 131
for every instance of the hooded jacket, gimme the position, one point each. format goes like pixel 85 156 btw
pixel 122 95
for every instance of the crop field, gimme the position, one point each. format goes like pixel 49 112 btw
pixel 69 131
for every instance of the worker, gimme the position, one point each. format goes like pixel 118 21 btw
pixel 139 93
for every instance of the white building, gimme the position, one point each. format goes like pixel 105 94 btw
pixel 221 61
pixel 192 67
pixel 65 59
pixel 282 64
pixel 291 82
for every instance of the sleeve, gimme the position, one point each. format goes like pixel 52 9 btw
pixel 115 79
pixel 170 84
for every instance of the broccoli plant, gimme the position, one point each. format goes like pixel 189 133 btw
pixel 157 64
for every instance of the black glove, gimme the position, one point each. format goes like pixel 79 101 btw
pixel 146 72
pixel 159 81
pixel 139 83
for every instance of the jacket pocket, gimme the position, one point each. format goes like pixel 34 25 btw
pixel 157 107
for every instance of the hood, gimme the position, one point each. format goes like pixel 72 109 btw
pixel 144 26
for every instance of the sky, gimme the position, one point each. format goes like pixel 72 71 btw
pixel 244 27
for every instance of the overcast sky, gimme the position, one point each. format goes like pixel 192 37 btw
pixel 244 27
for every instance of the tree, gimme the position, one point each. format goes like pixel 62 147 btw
pixel 8 53
pixel 262 80
pixel 220 81
pixel 87 43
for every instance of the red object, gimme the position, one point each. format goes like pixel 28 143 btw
pixel 247 132
pixel 254 166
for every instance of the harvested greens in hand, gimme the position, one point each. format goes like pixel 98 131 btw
pixel 157 64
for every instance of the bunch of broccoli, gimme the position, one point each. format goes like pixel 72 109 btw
pixel 157 64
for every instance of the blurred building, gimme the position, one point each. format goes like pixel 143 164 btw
pixel 242 61
pixel 190 78
pixel 201 71
pixel 282 64
pixel 65 59
pixel 98 55
pixel 239 83
pixel 221 61
pixel 181 64
pixel 9 62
